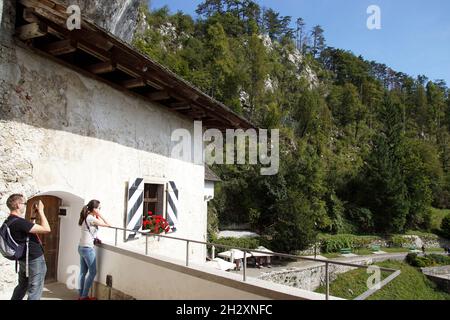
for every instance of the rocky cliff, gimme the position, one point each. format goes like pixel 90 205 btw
pixel 118 17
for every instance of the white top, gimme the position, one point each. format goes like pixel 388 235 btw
pixel 88 236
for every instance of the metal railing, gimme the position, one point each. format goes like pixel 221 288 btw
pixel 365 295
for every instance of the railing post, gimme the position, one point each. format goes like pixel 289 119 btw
pixel 213 252
pixel 115 238
pixel 187 253
pixel 146 245
pixel 327 281
pixel 245 266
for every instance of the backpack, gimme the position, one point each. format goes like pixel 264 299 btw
pixel 9 248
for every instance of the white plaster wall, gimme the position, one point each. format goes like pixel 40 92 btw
pixel 60 130
pixel 209 190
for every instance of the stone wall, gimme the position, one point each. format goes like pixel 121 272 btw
pixel 312 277
pixel 428 241
pixel 8 276
pixel 314 249
pixel 62 133
pixel 440 276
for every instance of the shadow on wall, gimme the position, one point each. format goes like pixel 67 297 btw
pixel 42 93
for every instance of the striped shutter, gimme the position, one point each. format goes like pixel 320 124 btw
pixel 172 205
pixel 135 207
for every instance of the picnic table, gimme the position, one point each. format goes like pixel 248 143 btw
pixel 376 248
pixel 262 258
pixel 346 250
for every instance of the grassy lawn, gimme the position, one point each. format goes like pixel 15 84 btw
pixel 436 217
pixel 411 284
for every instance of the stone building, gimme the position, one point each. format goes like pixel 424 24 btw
pixel 85 116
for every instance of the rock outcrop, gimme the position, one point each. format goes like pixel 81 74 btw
pixel 119 17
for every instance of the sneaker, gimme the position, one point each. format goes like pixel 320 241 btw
pixel 87 298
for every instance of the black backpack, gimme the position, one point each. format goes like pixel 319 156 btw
pixel 9 248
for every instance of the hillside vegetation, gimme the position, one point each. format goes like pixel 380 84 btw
pixel 364 149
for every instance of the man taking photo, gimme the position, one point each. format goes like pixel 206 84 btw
pixel 32 266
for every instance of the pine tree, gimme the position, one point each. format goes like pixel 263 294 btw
pixel 276 26
pixel 257 70
pixel 220 60
pixel 210 7
pixel 385 192
pixel 318 40
pixel 300 34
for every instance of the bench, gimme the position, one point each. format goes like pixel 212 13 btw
pixel 346 250
pixel 375 248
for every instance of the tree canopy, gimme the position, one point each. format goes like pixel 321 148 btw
pixel 364 148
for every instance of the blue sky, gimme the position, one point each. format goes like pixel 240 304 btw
pixel 414 38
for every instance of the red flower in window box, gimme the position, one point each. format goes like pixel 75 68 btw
pixel 155 223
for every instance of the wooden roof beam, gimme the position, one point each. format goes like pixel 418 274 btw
pixel 28 15
pixel 134 83
pixel 182 108
pixel 60 47
pixel 94 51
pixel 32 30
pixel 158 96
pixel 102 67
pixel 179 104
pixel 154 85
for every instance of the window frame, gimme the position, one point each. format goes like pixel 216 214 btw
pixel 159 182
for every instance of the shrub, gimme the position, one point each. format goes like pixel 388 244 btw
pixel 445 226
pixel 247 243
pixel 334 243
pixel 420 262
pixel 398 241
pixel 427 261
pixel 440 259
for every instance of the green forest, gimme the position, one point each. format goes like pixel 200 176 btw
pixel 364 149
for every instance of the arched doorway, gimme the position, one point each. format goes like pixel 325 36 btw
pixel 50 241
pixel 62 209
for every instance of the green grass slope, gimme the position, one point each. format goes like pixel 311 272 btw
pixel 411 284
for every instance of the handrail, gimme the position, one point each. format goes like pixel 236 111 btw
pixel 395 273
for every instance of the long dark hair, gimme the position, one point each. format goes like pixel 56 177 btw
pixel 93 204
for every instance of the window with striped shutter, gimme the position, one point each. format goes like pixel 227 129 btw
pixel 135 207
pixel 172 207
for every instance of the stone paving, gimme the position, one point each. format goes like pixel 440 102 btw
pixel 52 291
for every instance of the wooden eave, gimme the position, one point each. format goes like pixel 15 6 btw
pixel 41 25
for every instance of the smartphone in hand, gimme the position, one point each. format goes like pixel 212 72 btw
pixel 34 211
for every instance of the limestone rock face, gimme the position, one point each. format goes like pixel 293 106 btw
pixel 118 17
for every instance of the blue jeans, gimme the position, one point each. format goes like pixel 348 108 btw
pixel 34 284
pixel 88 262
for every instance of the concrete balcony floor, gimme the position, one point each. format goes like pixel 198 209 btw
pixel 52 291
